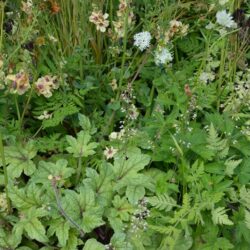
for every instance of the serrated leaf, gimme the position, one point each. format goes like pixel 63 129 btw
pixel 247 219
pixel 93 244
pixel 72 242
pixel 19 158
pixel 220 217
pixel 80 146
pixel 162 202
pixel 45 169
pixel 135 193
pixel 231 165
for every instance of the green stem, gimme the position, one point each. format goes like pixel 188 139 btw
pixel 149 109
pixel 17 109
pixel 5 174
pixel 79 169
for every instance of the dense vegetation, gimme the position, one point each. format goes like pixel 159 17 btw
pixel 124 124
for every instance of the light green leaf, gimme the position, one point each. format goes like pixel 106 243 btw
pixel 81 147
pixel 220 217
pixel 162 202
pixel 72 242
pixel 135 193
pixel 19 158
pixel 231 165
pixel 93 244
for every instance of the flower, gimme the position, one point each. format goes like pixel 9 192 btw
pixel 225 19
pixel 113 84
pixel 110 152
pixel 142 40
pixel 45 85
pixel 19 82
pixel 44 116
pixel 205 77
pixel 99 20
pixel 163 56
pixel 3 202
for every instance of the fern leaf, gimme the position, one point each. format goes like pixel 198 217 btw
pixel 220 217
pixel 162 202
pixel 231 165
pixel 247 219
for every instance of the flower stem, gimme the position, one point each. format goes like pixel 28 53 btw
pixel 5 174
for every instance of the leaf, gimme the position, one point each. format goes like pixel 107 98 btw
pixel 126 166
pixel 72 241
pixel 61 229
pixel 93 244
pixel 19 158
pixel 81 147
pixel 30 223
pixel 9 239
pixel 162 202
pixel 247 219
pixel 25 198
pixel 220 217
pixel 85 123
pixel 59 169
pixel 245 197
pixel 135 193
pixel 231 165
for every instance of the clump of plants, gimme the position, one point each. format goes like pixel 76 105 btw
pixel 124 125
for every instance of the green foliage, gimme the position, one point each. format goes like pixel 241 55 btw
pixel 106 145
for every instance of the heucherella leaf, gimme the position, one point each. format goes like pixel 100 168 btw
pixel 61 228
pixel 30 223
pixel 19 158
pixel 9 239
pixel 93 244
pixel 81 147
pixel 220 217
pixel 25 198
pixel 85 123
pixel 247 218
pixel 129 164
pixel 72 241
pixel 45 169
pixel 135 193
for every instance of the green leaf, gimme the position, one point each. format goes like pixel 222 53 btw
pixel 72 241
pixel 61 229
pixel 58 169
pixel 19 158
pixel 81 147
pixel 220 217
pixel 231 165
pixel 247 219
pixel 9 239
pixel 85 123
pixel 93 244
pixel 127 165
pixel 135 193
pixel 162 202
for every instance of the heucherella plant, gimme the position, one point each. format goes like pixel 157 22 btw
pixel 124 125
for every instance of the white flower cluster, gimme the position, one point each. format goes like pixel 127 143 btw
pixel 225 19
pixel 163 56
pixel 142 40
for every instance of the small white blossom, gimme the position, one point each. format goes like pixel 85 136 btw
pixel 110 152
pixel 225 19
pixel 205 77
pixel 44 116
pixel 142 40
pixel 210 26
pixel 163 56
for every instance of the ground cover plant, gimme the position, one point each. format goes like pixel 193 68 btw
pixel 124 124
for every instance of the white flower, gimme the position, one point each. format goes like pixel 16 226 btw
pixel 113 136
pixel 142 40
pixel 205 77
pixel 44 116
pixel 210 26
pixel 225 19
pixel 163 56
pixel 110 152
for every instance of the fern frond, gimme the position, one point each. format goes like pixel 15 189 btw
pixel 220 217
pixel 162 202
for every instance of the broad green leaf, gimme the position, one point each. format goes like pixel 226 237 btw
pixel 93 244
pixel 85 123
pixel 19 158
pixel 61 228
pixel 9 239
pixel 135 193
pixel 72 241
pixel 81 147
pixel 25 198
pixel 58 169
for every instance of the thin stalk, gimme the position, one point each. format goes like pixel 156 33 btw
pixel 2 21
pixel 79 169
pixel 5 174
pixel 17 109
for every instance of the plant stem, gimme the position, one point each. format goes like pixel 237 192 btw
pixel 5 174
